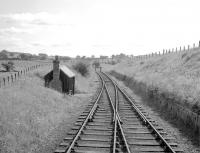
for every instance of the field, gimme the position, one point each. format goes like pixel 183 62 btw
pixel 18 66
pixel 33 119
pixel 177 74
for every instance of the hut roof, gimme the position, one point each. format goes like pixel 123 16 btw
pixel 67 71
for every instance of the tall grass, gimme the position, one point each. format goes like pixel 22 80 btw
pixel 33 118
pixel 173 73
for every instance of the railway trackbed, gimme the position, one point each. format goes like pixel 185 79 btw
pixel 114 123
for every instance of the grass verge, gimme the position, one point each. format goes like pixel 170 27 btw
pixel 33 119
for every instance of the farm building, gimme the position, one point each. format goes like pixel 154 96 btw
pixel 61 78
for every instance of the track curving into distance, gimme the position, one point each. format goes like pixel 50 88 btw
pixel 114 123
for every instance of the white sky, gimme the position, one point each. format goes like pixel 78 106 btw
pixel 98 27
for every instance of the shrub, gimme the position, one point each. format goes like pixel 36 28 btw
pixel 141 63
pixel 8 66
pixel 112 62
pixel 81 68
pixel 96 64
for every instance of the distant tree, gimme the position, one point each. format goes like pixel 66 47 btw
pixel 25 56
pixel 8 66
pixel 96 64
pixel 11 54
pixel 103 57
pixel 42 56
pixel 65 58
pixel 3 55
pixel 78 56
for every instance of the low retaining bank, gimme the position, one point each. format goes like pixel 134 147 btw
pixel 168 102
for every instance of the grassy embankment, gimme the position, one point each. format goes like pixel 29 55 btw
pixel 172 81
pixel 33 119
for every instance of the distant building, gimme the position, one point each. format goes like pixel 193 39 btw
pixel 61 78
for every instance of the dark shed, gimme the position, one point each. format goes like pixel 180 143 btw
pixel 61 78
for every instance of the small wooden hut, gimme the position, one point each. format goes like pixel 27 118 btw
pixel 61 78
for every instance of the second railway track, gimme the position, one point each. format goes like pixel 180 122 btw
pixel 115 123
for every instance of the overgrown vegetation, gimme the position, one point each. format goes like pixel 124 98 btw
pixel 34 118
pixel 8 66
pixel 176 73
pixel 82 68
pixel 96 64
pixel 113 62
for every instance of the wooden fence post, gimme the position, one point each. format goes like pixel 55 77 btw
pixel 4 81
pixel 194 45
pixel 12 78
pixel 188 47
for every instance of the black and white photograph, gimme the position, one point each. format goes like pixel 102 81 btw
pixel 99 76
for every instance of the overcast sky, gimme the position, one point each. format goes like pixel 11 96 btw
pixel 98 27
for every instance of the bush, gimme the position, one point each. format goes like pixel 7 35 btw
pixel 8 66
pixel 81 68
pixel 96 64
pixel 112 62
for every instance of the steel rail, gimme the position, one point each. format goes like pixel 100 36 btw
pixel 146 121
pixel 115 135
pixel 112 103
pixel 140 113
pixel 117 117
pixel 119 123
pixel 69 149
pixel 114 118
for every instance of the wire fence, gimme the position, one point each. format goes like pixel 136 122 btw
pixel 6 80
pixel 168 51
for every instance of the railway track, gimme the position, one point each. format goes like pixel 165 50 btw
pixel 114 123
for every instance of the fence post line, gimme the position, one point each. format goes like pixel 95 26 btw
pixel 193 45
pixel 188 47
pixel 180 48
pixel 8 79
pixel 184 48
pixel 199 43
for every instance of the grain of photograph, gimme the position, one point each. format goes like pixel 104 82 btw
pixel 99 76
